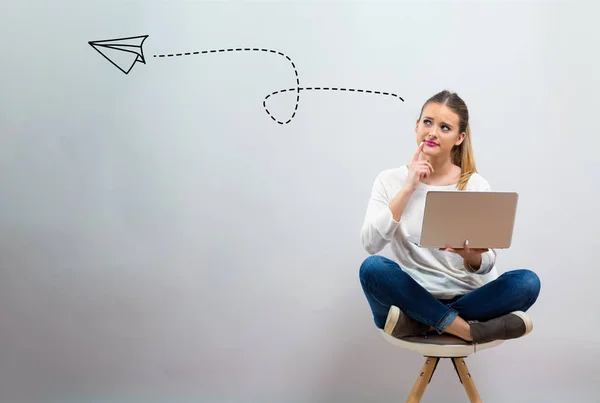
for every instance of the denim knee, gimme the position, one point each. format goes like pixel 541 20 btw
pixel 527 283
pixel 369 268
pixel 530 282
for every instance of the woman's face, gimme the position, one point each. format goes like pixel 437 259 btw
pixel 438 128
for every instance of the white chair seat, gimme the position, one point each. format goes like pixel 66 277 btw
pixel 440 345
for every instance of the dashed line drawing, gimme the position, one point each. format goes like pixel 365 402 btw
pixel 125 52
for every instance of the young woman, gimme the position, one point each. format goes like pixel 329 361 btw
pixel 424 290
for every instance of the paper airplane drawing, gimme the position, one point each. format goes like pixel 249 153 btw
pixel 123 53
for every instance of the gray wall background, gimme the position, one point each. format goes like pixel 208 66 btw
pixel 164 240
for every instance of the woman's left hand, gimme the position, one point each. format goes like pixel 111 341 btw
pixel 467 253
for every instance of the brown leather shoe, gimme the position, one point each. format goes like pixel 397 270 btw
pixel 399 325
pixel 510 326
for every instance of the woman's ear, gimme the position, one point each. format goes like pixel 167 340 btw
pixel 460 139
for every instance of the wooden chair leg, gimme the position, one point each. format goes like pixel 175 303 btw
pixel 423 380
pixel 465 378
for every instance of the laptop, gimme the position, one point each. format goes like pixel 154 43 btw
pixel 485 218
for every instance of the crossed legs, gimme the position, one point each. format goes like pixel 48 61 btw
pixel 385 284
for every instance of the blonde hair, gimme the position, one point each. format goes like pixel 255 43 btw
pixel 462 154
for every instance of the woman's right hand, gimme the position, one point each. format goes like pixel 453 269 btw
pixel 419 168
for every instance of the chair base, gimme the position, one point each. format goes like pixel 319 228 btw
pixel 426 374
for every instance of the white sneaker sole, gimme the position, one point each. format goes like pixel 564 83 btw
pixel 526 319
pixel 392 319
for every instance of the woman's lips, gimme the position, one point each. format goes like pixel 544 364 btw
pixel 430 143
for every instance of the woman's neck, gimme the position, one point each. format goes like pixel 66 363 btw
pixel 444 172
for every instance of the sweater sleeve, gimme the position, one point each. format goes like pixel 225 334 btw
pixel 379 225
pixel 488 259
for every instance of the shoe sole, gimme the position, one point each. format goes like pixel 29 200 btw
pixel 525 318
pixel 392 319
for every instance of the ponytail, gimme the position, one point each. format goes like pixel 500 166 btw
pixel 462 155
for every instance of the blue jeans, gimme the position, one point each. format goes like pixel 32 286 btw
pixel 385 283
